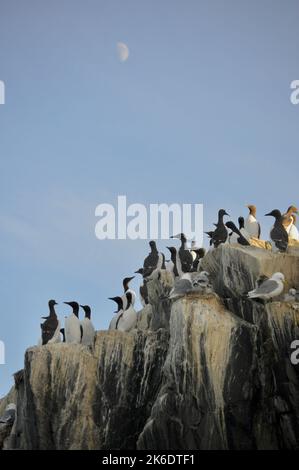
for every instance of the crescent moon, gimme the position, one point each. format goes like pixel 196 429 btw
pixel 122 51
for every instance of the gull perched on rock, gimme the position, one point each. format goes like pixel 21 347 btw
pixel 292 296
pixel 269 289
pixel 6 422
pixel 262 278
pixel 191 282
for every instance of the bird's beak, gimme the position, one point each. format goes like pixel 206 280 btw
pixel 131 278
pixel 227 214
pixel 267 214
pixel 81 306
pixel 67 303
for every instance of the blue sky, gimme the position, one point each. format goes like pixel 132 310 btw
pixel 199 113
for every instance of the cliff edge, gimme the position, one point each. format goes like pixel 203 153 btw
pixel 202 372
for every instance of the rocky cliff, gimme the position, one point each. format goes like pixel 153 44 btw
pixel 202 372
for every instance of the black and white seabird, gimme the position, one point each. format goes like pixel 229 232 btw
pixel 242 229
pixel 87 327
pixel 127 319
pixel 184 258
pixel 72 327
pixel 269 289
pixel 143 293
pixel 210 235
pixel 252 226
pixel 62 332
pixel 240 238
pixel 199 254
pixel 278 234
pixel 172 264
pixel 154 261
pixel 220 233
pixel 118 312
pixel 127 290
pixel 51 326
pixel 233 236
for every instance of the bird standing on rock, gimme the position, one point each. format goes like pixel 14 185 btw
pixel 51 326
pixel 118 312
pixel 252 226
pixel 289 221
pixel 127 319
pixel 143 293
pixel 184 260
pixel 72 327
pixel 172 264
pixel 200 253
pixel 269 289
pixel 127 290
pixel 153 261
pixel 278 234
pixel 220 233
pixel 210 235
pixel 240 239
pixel 88 330
pixel 191 282
pixel 287 216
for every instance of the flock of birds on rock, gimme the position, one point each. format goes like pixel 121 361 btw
pixel 74 331
pixel 185 267
pixel 283 230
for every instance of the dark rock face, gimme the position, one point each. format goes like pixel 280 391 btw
pixel 202 372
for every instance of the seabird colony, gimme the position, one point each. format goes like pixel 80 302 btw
pixel 185 267
pixel 74 331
